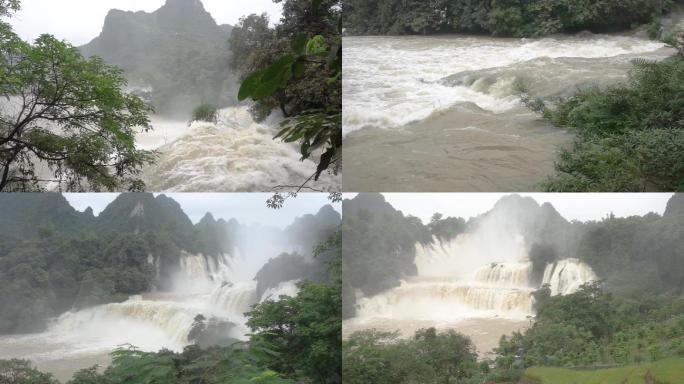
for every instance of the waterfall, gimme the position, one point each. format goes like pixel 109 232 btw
pixel 461 278
pixel 194 266
pixel 444 301
pixel 148 324
pixel 194 274
pixel 286 288
pixel 236 154
pixel 566 276
pixel 470 251
pixel 220 288
pixel 235 298
pixel 505 274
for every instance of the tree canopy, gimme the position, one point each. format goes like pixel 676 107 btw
pixel 297 69
pixel 521 18
pixel 65 119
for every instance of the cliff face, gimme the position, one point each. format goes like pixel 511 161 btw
pixel 178 52
pixel 675 206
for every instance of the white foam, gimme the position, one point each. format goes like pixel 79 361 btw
pixel 389 82
pixel 235 155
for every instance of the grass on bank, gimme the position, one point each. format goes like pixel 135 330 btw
pixel 630 137
pixel 667 371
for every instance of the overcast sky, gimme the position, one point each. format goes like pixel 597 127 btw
pixel 247 208
pixel 79 21
pixel 572 206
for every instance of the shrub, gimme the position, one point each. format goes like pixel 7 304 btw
pixel 205 112
pixel 630 137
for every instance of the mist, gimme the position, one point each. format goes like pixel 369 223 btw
pixel 477 275
pixel 168 269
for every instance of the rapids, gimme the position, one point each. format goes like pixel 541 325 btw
pixel 152 321
pixel 473 283
pixel 234 155
pixel 443 113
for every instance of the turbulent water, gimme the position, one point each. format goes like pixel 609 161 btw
pixel 234 155
pixel 443 113
pixel 152 321
pixel 461 285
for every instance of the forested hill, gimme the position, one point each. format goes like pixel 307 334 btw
pixel 54 258
pixel 177 56
pixel 308 233
pixel 25 214
pixel 498 18
pixel 675 207
pixel 634 254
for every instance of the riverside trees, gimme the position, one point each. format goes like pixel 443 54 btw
pixel 499 18
pixel 296 68
pixel 65 119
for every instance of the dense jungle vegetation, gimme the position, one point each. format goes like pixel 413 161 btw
pixel 296 68
pixel 630 137
pixel 519 18
pixel 54 258
pixel 590 328
pixel 634 315
pixel 66 114
pixel 294 340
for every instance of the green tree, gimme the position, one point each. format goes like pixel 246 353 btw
pixel 300 73
pixel 430 357
pixel 65 119
pixel 630 137
pixel 250 43
pixel 450 353
pixel 380 357
pixel 305 331
pixel 499 18
pixel 21 372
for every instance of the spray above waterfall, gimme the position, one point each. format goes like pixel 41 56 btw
pixel 160 271
pixel 483 265
pixel 478 275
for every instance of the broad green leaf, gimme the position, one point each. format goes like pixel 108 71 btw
pixel 266 82
pixel 316 46
pixel 248 85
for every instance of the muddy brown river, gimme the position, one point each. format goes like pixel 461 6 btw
pixel 430 114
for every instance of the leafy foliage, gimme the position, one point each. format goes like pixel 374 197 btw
pixel 593 328
pixel 68 114
pixel 629 137
pixel 205 112
pixel 21 372
pixel 238 363
pixel 429 357
pixel 305 331
pixel 445 229
pixel 7 7
pixel 499 18
pixel 296 68
pixel 379 246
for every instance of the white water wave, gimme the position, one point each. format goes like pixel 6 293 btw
pixel 234 155
pixel 392 81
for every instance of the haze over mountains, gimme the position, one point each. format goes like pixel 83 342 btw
pixel 176 57
pixel 628 253
pixel 139 243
